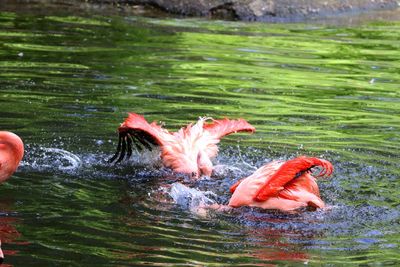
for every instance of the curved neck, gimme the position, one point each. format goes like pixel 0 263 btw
pixel 11 153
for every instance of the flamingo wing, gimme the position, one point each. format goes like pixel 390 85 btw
pixel 288 171
pixel 244 190
pixel 232 189
pixel 136 132
pixel 220 128
pixel 303 189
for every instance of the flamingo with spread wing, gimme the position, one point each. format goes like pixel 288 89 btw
pixel 284 186
pixel 188 150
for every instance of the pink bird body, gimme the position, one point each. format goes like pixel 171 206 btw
pixel 189 150
pixel 11 153
pixel 279 185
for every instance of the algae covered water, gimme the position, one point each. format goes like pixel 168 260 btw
pixel 67 82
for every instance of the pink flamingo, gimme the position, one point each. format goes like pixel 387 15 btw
pixel 188 150
pixel 11 153
pixel 284 186
pixel 1 254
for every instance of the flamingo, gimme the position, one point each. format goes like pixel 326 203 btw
pixel 1 254
pixel 285 186
pixel 188 150
pixel 11 153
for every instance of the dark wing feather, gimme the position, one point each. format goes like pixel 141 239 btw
pixel 137 133
pixel 132 139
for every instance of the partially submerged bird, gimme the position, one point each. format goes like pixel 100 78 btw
pixel 11 153
pixel 284 186
pixel 188 150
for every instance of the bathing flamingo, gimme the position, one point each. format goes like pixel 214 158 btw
pixel 11 153
pixel 188 150
pixel 284 186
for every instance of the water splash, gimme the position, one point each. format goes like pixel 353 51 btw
pixel 191 198
pixel 48 159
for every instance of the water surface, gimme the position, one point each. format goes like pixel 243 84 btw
pixel 66 82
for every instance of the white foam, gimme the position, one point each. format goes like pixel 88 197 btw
pixel 44 158
pixel 191 198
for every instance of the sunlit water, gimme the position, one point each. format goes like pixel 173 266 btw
pixel 66 82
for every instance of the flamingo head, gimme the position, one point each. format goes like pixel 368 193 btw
pixel 11 153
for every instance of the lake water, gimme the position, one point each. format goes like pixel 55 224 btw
pixel 67 82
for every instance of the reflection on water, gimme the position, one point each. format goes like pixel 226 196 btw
pixel 66 82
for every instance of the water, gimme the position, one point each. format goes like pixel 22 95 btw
pixel 66 82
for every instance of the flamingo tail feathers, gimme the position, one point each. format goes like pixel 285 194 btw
pixel 136 132
pixel 288 171
pixel 220 128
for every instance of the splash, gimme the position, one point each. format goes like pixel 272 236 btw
pixel 50 159
pixel 191 198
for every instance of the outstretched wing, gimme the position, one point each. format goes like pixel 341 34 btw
pixel 288 171
pixel 136 132
pixel 220 128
